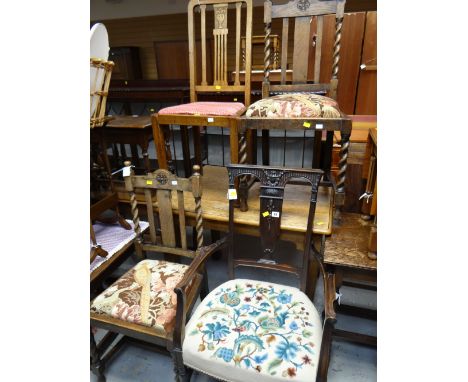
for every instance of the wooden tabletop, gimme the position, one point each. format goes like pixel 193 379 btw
pixel 347 247
pixel 130 122
pixel 215 205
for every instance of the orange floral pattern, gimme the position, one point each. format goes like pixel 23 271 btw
pixel 144 295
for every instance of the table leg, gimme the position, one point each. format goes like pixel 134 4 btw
pixel 144 151
pixel 135 158
pixel 266 147
pixel 197 145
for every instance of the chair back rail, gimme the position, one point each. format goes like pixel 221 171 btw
pixel 303 12
pixel 220 38
pixel 159 188
pixel 272 184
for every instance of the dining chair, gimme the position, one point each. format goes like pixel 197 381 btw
pixel 150 302
pixel 251 330
pixel 200 113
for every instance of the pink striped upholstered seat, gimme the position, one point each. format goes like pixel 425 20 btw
pixel 205 108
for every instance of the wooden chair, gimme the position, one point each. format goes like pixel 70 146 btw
pixel 201 114
pixel 152 300
pixel 295 105
pixel 111 237
pixel 249 330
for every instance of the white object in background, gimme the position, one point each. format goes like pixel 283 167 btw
pixel 99 48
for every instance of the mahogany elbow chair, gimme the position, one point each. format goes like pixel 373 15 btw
pixel 250 330
pixel 151 301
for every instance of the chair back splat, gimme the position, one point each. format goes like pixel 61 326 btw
pixel 303 12
pixel 159 188
pixel 272 184
pixel 219 37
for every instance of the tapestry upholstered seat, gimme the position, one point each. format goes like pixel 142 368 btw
pixel 144 295
pixel 113 238
pixel 248 330
pixel 295 105
pixel 205 108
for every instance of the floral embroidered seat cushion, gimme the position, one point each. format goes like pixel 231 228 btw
pixel 247 330
pixel 113 238
pixel 144 295
pixel 205 108
pixel 295 105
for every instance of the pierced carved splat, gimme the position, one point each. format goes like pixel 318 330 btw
pixel 272 184
pixel 220 33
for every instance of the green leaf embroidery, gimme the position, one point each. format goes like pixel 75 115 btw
pixel 273 364
pixel 193 332
pixel 306 333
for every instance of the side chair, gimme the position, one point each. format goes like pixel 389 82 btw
pixel 150 302
pixel 250 330
pixel 202 114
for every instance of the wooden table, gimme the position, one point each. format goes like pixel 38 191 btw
pixel 215 208
pixel 346 256
pixel 132 130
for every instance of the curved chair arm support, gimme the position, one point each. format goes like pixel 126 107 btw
pixel 197 264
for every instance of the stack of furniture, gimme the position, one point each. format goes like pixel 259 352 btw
pixel 244 329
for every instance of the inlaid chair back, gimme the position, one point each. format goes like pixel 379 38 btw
pixel 159 188
pixel 219 35
pixel 302 11
pixel 272 185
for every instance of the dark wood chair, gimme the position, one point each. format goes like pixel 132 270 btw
pixel 300 105
pixel 249 330
pixel 201 114
pixel 152 300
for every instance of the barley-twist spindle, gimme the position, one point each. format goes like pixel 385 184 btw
pixel 336 47
pixel 342 164
pixel 243 149
pixel 267 53
pixel 198 208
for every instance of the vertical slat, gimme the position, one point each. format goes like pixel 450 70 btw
pixel 301 49
pixel 150 213
pixel 166 218
pixel 318 49
pixel 191 33
pixel 238 30
pixel 225 60
pixel 183 232
pixel 203 43
pixel 284 49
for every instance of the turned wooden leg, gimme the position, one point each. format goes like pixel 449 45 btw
pixel 97 366
pixel 342 165
pixel 325 351
pixel 180 371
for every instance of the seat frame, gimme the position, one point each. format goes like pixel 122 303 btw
pixel 194 282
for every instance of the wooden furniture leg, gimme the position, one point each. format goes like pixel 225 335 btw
pixel 186 151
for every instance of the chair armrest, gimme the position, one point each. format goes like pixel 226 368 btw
pixel 329 296
pixel 201 255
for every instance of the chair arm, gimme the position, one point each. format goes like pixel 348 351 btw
pixel 329 296
pixel 201 255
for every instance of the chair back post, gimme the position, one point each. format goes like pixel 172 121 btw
pixel 220 53
pixel 134 208
pixel 267 51
pixel 197 193
pixel 336 48
pixel 272 184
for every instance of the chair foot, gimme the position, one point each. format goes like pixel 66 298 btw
pixel 97 366
pixel 180 371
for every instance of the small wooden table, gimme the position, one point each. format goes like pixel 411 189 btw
pixel 346 256
pixel 132 130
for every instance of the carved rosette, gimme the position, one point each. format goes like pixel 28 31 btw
pixel 303 5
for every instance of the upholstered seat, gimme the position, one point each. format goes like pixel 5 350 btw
pixel 205 108
pixel 144 295
pixel 295 105
pixel 112 238
pixel 248 330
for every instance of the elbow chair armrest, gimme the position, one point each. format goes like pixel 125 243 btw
pixel 201 255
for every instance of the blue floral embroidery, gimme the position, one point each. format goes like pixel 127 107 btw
pixel 284 298
pixel 216 332
pixel 266 319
